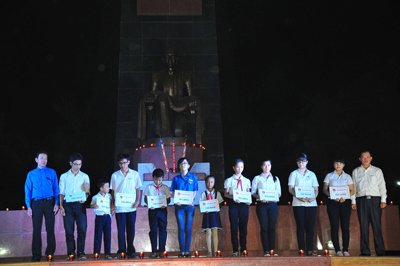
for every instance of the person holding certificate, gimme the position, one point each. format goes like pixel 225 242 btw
pixel 74 190
pixel 211 220
pixel 101 202
pixel 183 188
pixel 125 185
pixel 303 185
pixel 237 188
pixel 266 189
pixel 336 184
pixel 157 197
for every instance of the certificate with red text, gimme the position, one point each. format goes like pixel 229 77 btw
pixel 76 196
pixel 156 202
pixel 242 196
pixel 305 192
pixel 124 200
pixel 104 205
pixel 209 205
pixel 183 197
pixel 268 195
pixel 339 192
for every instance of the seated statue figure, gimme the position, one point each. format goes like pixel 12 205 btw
pixel 170 96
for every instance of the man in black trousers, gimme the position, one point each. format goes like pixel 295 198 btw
pixel 370 188
pixel 41 198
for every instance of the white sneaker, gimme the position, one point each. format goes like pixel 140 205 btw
pixel 346 254
pixel 275 255
pixel 339 254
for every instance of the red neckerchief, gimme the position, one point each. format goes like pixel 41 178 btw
pixel 158 189
pixel 209 196
pixel 239 181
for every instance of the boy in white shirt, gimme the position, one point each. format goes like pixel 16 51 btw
pixel 103 218
pixel 157 217
pixel 125 181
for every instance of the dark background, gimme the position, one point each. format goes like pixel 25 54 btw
pixel 295 76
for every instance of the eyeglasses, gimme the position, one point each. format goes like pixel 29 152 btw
pixel 77 164
pixel 183 163
pixel 122 163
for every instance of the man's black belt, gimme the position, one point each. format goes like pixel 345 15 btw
pixel 45 199
pixel 369 197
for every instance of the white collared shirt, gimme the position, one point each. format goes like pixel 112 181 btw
pixel 334 180
pixel 94 201
pixel 70 183
pixel 297 179
pixel 125 184
pixel 233 184
pixel 369 182
pixel 262 182
pixel 203 195
pixel 150 190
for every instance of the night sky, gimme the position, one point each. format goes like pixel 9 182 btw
pixel 319 77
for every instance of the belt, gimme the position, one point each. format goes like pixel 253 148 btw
pixel 101 215
pixel 45 199
pixel 369 197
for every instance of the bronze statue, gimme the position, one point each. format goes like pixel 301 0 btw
pixel 170 96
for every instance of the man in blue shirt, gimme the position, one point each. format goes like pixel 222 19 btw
pixel 41 198
pixel 187 182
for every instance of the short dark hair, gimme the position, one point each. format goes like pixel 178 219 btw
pixel 265 160
pixel 158 173
pixel 122 156
pixel 75 156
pixel 102 182
pixel 364 151
pixel 182 159
pixel 339 159
pixel 236 161
pixel 301 157
pixel 41 152
pixel 208 177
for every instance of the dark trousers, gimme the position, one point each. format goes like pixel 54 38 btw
pixel 75 212
pixel 238 217
pixel 267 214
pixel 126 220
pixel 158 222
pixel 40 208
pixel 369 211
pixel 340 212
pixel 102 224
pixel 305 220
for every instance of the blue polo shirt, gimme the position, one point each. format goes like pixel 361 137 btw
pixel 41 184
pixel 188 183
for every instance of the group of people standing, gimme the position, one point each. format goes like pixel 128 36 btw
pixel 45 196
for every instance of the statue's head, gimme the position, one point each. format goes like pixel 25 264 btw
pixel 170 58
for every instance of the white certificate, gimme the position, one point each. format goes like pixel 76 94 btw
pixel 183 197
pixel 339 192
pixel 209 205
pixel 156 201
pixel 305 192
pixel 268 195
pixel 242 196
pixel 124 200
pixel 76 196
pixel 104 205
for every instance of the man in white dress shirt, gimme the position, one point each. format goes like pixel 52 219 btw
pixel 74 181
pixel 370 188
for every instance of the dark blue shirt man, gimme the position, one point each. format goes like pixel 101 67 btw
pixel 41 198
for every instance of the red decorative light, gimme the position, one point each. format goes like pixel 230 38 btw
pixel 194 145
pixel 141 255
pixel 219 253
pixel 7 209
pixel 23 208
pixel 326 252
pixel 225 203
pixel 71 257
pixel 196 253
pixel 301 252
pixel 123 255
pixel 289 203
pixel 321 202
pixel 165 254
pixel 245 253
pixel 49 257
pixel 391 203
pixel 96 256
pixel 272 252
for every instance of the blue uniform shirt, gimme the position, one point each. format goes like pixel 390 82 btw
pixel 41 184
pixel 188 183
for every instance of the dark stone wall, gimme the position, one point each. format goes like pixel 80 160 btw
pixel 143 41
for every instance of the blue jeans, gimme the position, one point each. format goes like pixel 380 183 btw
pixel 102 224
pixel 75 212
pixel 128 220
pixel 184 217
pixel 267 214
pixel 305 220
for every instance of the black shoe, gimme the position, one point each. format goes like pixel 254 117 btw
pixel 188 255
pixel 82 257
pixel 364 255
pixel 131 256
pixel 311 253
pixel 34 259
pixel 180 255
